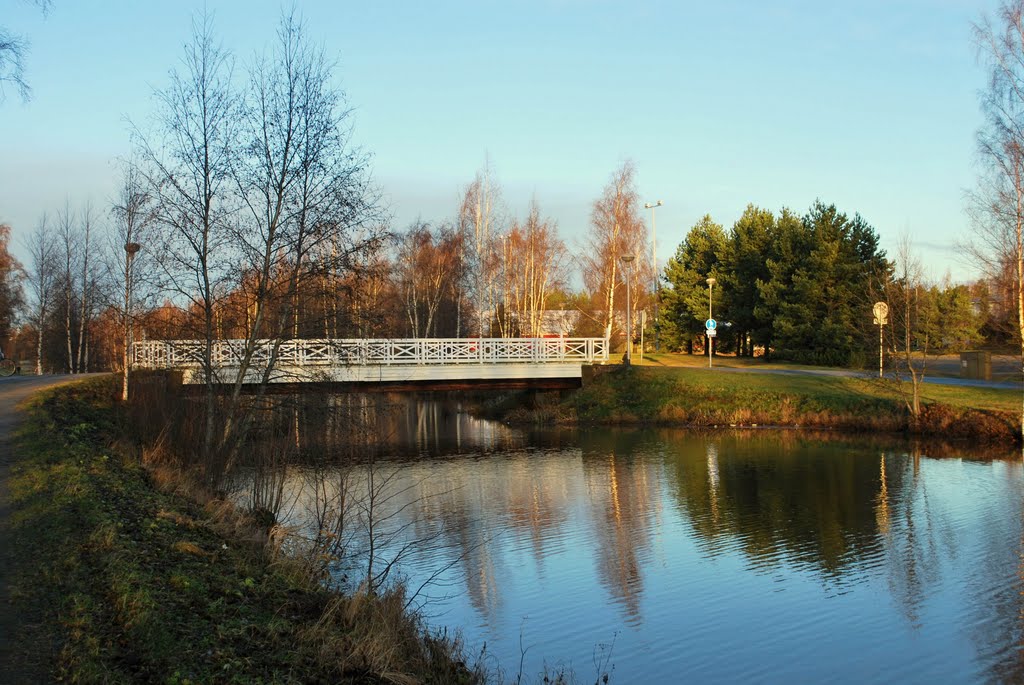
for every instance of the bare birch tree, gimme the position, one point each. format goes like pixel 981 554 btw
pixel 186 164
pixel 86 286
pixel 616 229
pixel 13 49
pixel 132 214
pixel 480 222
pixel 998 236
pixel 42 279
pixel 67 238
pixel 303 186
pixel 425 267
pixel 359 299
pixel 535 260
pixel 254 188
pixel 911 319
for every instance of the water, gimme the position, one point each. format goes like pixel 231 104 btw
pixel 763 556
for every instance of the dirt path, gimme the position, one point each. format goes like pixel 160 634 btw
pixel 18 664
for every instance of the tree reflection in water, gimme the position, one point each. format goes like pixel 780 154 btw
pixel 623 503
pixel 908 558
pixel 775 498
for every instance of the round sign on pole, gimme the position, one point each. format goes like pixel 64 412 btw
pixel 711 324
pixel 880 310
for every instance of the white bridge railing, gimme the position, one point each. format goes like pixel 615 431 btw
pixel 188 354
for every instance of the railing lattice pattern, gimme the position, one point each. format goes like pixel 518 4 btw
pixel 175 354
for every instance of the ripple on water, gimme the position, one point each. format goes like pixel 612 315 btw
pixel 766 558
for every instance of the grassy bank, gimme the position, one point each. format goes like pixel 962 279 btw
pixel 135 583
pixel 703 397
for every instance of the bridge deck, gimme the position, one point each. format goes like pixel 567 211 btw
pixel 377 361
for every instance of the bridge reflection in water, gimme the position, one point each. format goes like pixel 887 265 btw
pixel 435 363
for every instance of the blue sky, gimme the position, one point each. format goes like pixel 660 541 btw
pixel 871 105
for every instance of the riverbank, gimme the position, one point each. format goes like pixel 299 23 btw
pixel 24 657
pixel 615 395
pixel 133 582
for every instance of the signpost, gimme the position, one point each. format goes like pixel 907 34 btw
pixel 881 312
pixel 712 330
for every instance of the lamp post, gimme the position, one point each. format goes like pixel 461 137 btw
pixel 711 337
pixel 654 268
pixel 129 256
pixel 626 260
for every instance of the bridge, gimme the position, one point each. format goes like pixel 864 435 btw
pixel 419 363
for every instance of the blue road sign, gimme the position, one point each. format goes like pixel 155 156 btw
pixel 711 324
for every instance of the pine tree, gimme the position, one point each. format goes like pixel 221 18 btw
pixel 685 301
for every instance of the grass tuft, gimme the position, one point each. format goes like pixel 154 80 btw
pixel 186 547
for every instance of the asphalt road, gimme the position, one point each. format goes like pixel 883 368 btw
pixel 22 659
pixel 936 380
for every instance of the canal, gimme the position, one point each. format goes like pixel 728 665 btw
pixel 674 556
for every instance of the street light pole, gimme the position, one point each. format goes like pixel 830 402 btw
pixel 711 338
pixel 129 251
pixel 654 268
pixel 626 260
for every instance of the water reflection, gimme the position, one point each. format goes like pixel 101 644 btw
pixel 882 500
pixel 490 514
pixel 622 499
pixel 338 428
pixel 757 556
pixel 776 499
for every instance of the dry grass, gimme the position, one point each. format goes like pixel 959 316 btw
pixel 186 547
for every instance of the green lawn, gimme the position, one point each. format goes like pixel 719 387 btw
pixel 969 397
pixel 691 395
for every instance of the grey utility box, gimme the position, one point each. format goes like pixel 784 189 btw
pixel 976 365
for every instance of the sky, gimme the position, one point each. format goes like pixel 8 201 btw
pixel 871 105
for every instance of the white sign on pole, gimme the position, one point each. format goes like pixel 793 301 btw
pixel 881 311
